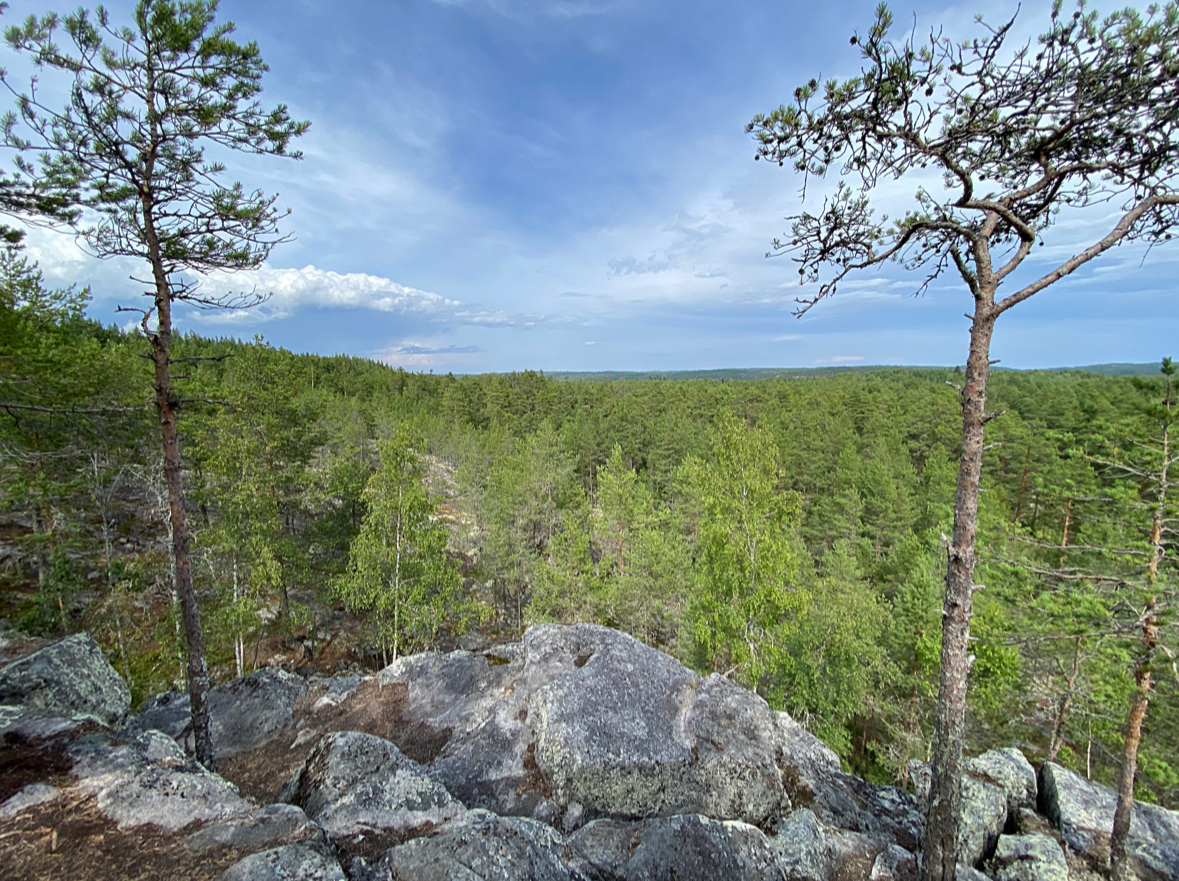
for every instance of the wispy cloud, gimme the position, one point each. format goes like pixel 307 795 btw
pixel 419 356
pixel 840 359
pixel 630 265
pixel 412 349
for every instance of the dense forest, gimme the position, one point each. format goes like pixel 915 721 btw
pixel 787 532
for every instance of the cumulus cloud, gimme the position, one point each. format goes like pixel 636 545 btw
pixel 289 290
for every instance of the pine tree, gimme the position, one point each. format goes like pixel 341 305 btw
pixel 1017 133
pixel 146 101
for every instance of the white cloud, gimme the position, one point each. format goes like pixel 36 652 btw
pixel 292 289
pixel 840 359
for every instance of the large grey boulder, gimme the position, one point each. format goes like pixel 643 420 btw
pixel 801 848
pixel 37 723
pixel 244 714
pixel 356 785
pixel 582 722
pixel 1010 770
pixel 293 862
pixel 1084 811
pixel 807 850
pixel 150 780
pixel 883 813
pixel 457 691
pixel 478 846
pixel 631 732
pixel 1028 858
pixel 686 847
pixel 984 812
pixel 68 677
pixel 470 700
pixel 894 863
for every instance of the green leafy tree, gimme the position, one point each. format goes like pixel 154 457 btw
pixel 65 424
pixel 1020 135
pixel 645 561
pixel 836 657
pixel 749 596
pixel 398 570
pixel 146 101
pixel 254 457
pixel 530 494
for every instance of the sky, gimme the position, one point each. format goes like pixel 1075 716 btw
pixel 496 185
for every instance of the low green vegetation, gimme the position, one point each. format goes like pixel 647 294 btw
pixel 788 533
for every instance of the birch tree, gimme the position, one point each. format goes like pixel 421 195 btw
pixel 398 571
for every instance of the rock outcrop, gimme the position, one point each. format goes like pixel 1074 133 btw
pixel 984 810
pixel 584 722
pixel 356 785
pixel 292 862
pixel 685 847
pixel 480 845
pixel 243 714
pixel 577 754
pixel 1029 858
pixel 69 677
pixel 149 780
pixel 1084 810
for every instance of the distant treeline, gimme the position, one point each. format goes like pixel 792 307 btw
pixel 726 373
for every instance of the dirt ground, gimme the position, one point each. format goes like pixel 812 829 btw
pixel 70 838
pixel 372 709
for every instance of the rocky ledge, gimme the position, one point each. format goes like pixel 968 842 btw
pixel 578 753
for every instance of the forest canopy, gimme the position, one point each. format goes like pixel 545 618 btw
pixel 593 501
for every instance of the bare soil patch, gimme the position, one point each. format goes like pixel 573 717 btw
pixel 372 709
pixel 70 838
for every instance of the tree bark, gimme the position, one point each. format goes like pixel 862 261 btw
pixel 166 405
pixel 1119 839
pixel 1065 705
pixel 945 793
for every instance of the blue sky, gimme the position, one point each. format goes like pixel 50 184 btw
pixel 494 185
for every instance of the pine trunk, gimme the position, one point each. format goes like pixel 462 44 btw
pixel 945 793
pixel 1123 813
pixel 166 405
